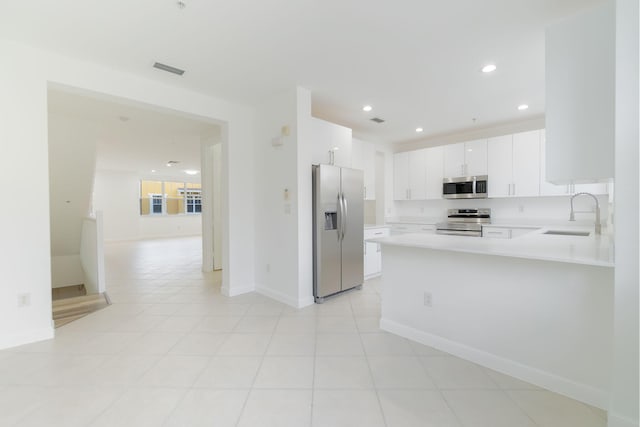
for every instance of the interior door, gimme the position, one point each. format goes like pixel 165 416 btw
pixel 353 228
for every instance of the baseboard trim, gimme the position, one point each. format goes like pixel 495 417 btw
pixel 26 337
pixel 236 290
pixel 614 420
pixel 582 392
pixel 284 298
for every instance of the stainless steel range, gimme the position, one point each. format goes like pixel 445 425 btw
pixel 464 222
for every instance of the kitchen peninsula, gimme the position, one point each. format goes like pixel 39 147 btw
pixel 538 307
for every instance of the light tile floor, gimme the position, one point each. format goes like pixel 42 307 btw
pixel 172 351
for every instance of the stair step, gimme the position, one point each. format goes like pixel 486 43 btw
pixel 69 309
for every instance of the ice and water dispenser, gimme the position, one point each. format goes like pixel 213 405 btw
pixel 330 220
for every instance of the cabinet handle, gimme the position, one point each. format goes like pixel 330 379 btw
pixel 378 249
pixel 365 191
pixel 514 188
pixel 378 234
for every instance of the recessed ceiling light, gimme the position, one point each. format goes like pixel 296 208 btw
pixel 153 171
pixel 191 172
pixel 523 107
pixel 419 130
pixel 367 108
pixel 336 148
pixel 489 68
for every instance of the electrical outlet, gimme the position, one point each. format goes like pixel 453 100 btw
pixel 24 300
pixel 520 208
pixel 428 299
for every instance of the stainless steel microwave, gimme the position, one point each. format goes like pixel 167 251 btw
pixel 465 187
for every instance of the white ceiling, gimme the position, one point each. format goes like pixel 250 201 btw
pixel 131 138
pixel 417 62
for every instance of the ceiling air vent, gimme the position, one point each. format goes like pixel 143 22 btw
pixel 168 68
pixel 377 120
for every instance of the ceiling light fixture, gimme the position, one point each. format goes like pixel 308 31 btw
pixel 523 107
pixel 153 171
pixel 489 68
pixel 419 130
pixel 172 162
pixel 367 108
pixel 191 172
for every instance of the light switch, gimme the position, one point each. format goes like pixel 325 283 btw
pixel 286 194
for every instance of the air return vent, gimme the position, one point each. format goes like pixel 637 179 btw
pixel 168 68
pixel 377 120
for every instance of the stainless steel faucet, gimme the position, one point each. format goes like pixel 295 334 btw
pixel 572 216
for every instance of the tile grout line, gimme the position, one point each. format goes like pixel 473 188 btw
pixel 366 357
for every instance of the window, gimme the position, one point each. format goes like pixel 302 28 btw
pixel 156 204
pixel 170 198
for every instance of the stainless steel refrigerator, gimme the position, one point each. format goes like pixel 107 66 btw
pixel 338 230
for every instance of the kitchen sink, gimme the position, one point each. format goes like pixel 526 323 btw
pixel 567 233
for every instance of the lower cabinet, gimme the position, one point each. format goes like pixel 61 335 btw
pixel 372 253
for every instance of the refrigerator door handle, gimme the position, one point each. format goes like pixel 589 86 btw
pixel 340 217
pixel 346 214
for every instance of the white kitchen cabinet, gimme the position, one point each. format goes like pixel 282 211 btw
pixel 363 157
pixel 549 189
pixel 580 96
pixel 514 165
pixel 526 164
pixel 465 159
pixel 372 253
pixel 435 172
pixel 330 140
pixel 500 166
pixel 410 175
pixel 401 176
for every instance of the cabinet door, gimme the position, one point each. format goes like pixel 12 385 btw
pixel 401 176
pixel 526 164
pixel 418 174
pixel 330 137
pixel 341 145
pixel 547 188
pixel 475 155
pixel 454 160
pixel 369 159
pixel 371 259
pixel 500 166
pixel 435 172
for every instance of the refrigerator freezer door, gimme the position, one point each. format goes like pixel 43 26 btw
pixel 353 228
pixel 327 219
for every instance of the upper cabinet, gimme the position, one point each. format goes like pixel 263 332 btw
pixel 435 172
pixel 465 159
pixel 580 75
pixel 363 156
pixel 331 143
pixel 410 175
pixel 514 165
pixel 549 189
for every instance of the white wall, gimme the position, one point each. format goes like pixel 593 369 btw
pixel 25 73
pixel 276 248
pixel 623 410
pixel 72 159
pixel 550 209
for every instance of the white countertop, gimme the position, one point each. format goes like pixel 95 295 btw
pixel 591 250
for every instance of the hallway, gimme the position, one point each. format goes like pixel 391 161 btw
pixel 172 351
